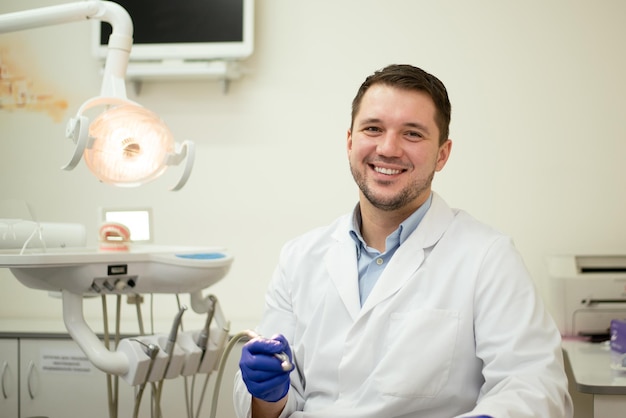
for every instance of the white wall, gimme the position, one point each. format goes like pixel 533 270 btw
pixel 538 127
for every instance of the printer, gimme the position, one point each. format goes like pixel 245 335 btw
pixel 587 292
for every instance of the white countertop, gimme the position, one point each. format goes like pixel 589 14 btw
pixel 591 367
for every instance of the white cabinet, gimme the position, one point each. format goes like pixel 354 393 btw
pixel 9 396
pixel 57 381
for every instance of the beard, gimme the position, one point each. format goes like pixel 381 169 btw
pixel 401 199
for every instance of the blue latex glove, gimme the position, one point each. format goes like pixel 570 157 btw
pixel 262 371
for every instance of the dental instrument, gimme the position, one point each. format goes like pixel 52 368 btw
pixel 285 364
pixel 203 337
pixel 151 351
pixel 173 335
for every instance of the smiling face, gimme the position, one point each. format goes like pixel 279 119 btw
pixel 393 148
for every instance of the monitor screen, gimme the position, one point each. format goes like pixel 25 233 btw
pixel 185 29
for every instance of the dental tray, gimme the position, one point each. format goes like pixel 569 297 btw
pixel 141 269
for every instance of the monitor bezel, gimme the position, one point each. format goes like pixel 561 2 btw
pixel 200 51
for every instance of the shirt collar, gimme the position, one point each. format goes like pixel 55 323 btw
pixel 406 228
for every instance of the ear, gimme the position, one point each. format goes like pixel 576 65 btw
pixel 443 154
pixel 349 140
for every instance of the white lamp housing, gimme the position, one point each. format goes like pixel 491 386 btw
pixel 127 145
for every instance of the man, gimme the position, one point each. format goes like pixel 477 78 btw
pixel 405 307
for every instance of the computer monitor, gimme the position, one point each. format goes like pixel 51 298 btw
pixel 185 30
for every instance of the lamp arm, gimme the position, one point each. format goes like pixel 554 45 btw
pixel 119 44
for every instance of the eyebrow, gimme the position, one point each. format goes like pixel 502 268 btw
pixel 418 126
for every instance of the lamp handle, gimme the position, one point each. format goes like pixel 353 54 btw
pixel 78 131
pixel 188 149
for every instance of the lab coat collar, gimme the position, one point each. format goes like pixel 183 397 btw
pixel 342 266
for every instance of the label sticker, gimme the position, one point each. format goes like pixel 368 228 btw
pixel 65 361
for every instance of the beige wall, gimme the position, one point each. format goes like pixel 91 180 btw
pixel 538 127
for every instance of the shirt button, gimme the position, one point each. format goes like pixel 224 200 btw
pixel 379 261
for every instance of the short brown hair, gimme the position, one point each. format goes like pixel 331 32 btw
pixel 408 77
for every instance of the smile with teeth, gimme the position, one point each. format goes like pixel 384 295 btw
pixel 387 171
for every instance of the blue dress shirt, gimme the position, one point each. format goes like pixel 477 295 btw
pixel 372 262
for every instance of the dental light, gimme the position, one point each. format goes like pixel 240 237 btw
pixel 126 145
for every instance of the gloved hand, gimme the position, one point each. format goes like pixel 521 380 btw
pixel 262 371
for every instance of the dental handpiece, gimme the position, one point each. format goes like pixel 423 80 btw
pixel 171 339
pixel 203 338
pixel 151 351
pixel 285 364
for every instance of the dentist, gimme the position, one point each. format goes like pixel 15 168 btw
pixel 404 307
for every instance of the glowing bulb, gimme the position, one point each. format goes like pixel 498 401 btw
pixel 130 146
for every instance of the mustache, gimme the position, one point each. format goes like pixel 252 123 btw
pixel 378 160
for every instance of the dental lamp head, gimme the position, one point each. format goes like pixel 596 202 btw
pixel 126 145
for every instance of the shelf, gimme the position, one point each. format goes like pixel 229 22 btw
pixel 223 71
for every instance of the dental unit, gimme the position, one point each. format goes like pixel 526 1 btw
pixel 119 267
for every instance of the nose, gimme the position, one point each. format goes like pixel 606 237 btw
pixel 389 145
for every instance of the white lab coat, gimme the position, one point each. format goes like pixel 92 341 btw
pixel 453 327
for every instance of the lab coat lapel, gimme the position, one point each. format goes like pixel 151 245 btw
pixel 402 266
pixel 412 253
pixel 342 268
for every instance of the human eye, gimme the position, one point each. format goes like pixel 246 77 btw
pixel 372 129
pixel 413 135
